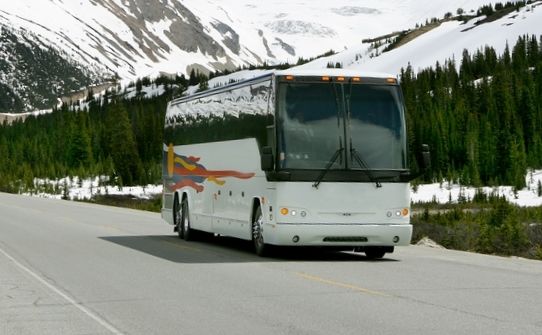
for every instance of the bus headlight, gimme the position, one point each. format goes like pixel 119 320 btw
pixel 398 213
pixel 285 211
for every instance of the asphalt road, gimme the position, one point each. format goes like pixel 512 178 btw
pixel 73 268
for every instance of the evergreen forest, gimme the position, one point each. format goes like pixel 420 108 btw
pixel 482 120
pixel 111 136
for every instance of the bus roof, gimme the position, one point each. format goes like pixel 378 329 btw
pixel 332 72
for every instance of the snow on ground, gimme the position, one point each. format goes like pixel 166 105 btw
pixel 85 189
pixel 126 89
pixel 80 189
pixel 147 91
pixel 446 192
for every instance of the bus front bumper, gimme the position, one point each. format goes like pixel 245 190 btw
pixel 337 234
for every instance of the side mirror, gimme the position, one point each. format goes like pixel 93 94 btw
pixel 267 160
pixel 426 157
pixel 424 164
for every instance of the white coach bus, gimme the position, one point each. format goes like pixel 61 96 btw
pixel 292 158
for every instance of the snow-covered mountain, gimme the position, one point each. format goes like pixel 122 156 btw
pixel 33 74
pixel 447 40
pixel 135 38
pixel 128 39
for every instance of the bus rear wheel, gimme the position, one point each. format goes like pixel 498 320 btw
pixel 257 233
pixel 185 231
pixel 177 217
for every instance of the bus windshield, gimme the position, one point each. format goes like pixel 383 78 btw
pixel 310 129
pixel 315 120
pixel 376 125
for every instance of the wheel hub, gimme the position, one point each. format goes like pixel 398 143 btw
pixel 257 230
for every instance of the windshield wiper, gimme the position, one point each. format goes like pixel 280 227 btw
pixel 328 167
pixel 364 167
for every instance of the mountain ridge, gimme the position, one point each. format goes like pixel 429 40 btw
pixel 135 38
pixel 130 39
pixel 34 75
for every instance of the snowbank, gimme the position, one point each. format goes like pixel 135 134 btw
pixel 446 192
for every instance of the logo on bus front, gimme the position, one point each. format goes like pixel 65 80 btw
pixel 186 171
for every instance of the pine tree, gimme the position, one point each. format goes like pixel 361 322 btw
pixel 122 146
pixel 79 151
pixel 193 78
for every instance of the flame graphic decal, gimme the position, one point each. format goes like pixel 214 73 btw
pixel 186 171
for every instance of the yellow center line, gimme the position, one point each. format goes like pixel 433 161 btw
pixel 343 285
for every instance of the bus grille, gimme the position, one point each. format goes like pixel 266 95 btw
pixel 345 239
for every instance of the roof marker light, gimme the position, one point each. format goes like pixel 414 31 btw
pixel 326 78
pixel 356 79
pixel 340 78
pixel 391 81
pixel 289 77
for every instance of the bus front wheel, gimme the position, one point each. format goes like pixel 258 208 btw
pixel 257 233
pixel 374 253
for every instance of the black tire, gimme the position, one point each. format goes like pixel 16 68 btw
pixel 185 231
pixel 374 253
pixel 177 217
pixel 260 247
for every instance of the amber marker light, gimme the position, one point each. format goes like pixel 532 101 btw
pixel 284 211
pixel 289 77
pixel 391 81
pixel 326 78
pixel 356 79
pixel 405 211
pixel 340 78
